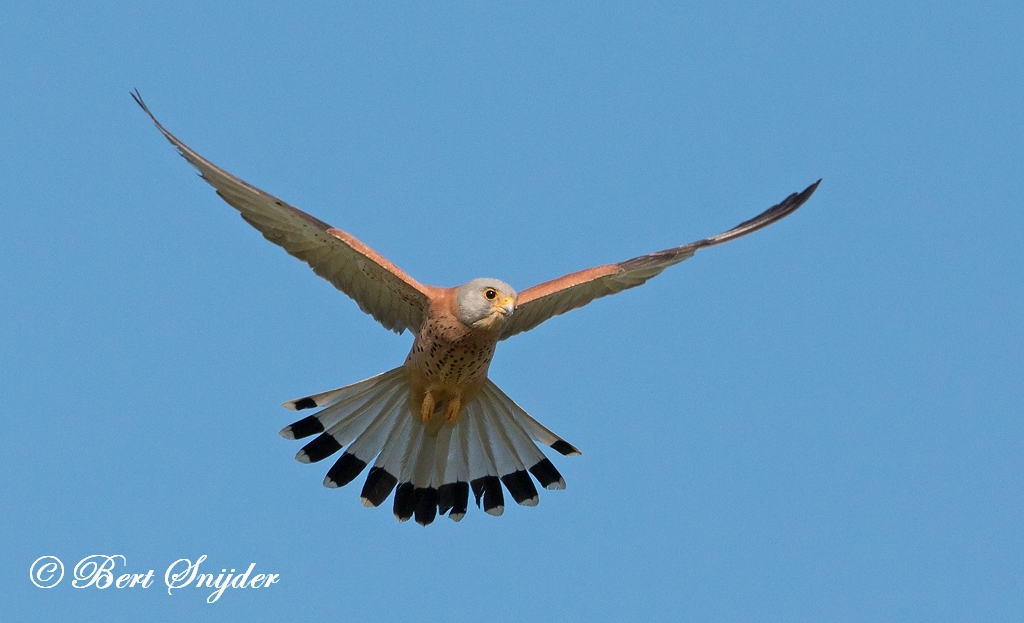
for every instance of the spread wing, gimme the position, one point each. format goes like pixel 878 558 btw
pixel 381 289
pixel 537 304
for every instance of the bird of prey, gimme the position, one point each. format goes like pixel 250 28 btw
pixel 436 425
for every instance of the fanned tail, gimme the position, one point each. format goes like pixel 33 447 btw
pixel 490 445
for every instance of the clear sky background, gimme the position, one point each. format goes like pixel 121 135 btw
pixel 819 422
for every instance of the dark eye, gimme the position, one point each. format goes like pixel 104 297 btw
pixel 491 294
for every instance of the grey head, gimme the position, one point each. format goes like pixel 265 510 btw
pixel 485 303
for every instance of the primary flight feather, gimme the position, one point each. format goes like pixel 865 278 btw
pixel 435 427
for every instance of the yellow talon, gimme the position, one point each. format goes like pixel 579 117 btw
pixel 452 410
pixel 427 408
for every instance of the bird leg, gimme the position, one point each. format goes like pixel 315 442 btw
pixel 451 410
pixel 427 408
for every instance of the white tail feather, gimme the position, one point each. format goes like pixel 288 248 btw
pixel 349 392
pixel 518 438
pixel 444 470
pixel 395 446
pixel 410 455
pixel 369 444
pixel 368 415
pixel 536 430
pixel 492 442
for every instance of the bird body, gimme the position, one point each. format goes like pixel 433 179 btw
pixel 448 363
pixel 435 427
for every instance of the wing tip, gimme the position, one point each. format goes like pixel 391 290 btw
pixel 138 98
pixel 806 193
pixel 142 104
pixel 770 216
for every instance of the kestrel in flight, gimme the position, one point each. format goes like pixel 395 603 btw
pixel 437 426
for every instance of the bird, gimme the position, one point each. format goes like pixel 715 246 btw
pixel 436 427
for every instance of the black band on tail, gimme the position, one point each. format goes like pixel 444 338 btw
pixel 320 448
pixel 405 501
pixel 489 488
pixel 547 475
pixel 453 497
pixel 521 487
pixel 378 486
pixel 426 505
pixel 564 447
pixel 304 403
pixel 344 471
pixel 303 428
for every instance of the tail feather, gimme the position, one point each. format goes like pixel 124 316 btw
pixel 328 398
pixel 422 477
pixel 529 453
pixel 409 457
pixel 370 443
pixel 502 460
pixel 354 423
pixel 444 469
pixel 511 431
pixel 517 482
pixel 537 430
pixel 396 441
pixel 490 445
pixel 365 447
pixel 340 403
pixel 453 492
pixel 482 463
pixel 377 488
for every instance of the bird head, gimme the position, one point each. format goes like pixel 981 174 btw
pixel 485 303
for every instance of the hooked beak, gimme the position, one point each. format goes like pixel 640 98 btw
pixel 505 306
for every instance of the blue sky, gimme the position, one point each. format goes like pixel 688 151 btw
pixel 819 422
